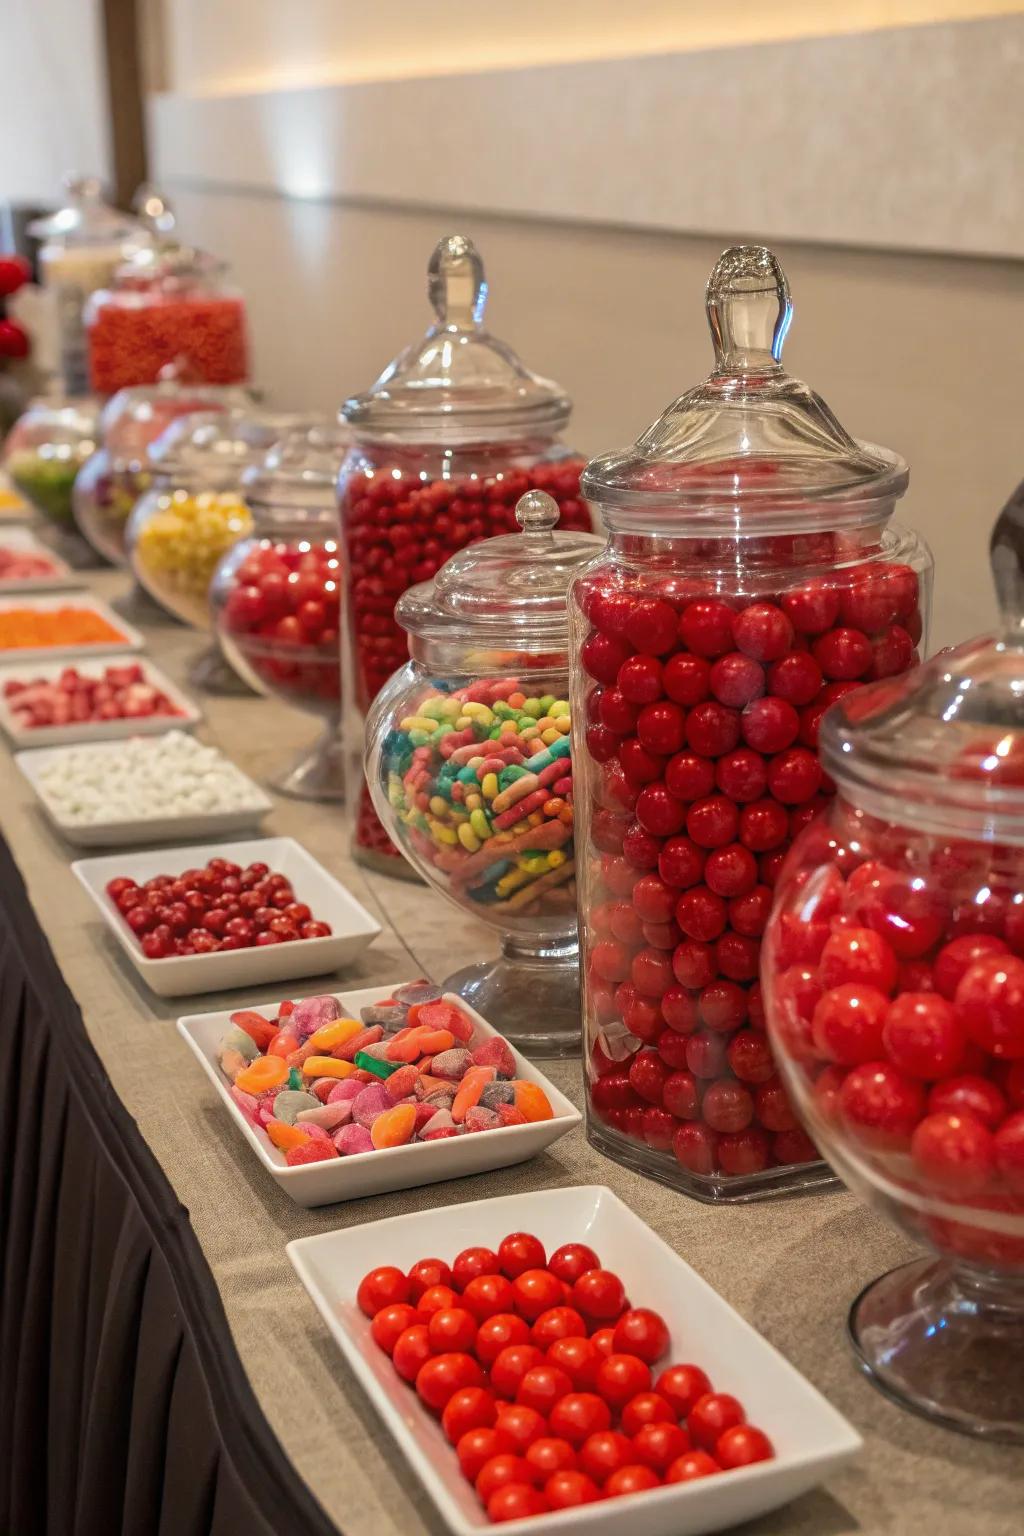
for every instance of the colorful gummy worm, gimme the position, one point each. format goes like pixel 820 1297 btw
pixel 481 778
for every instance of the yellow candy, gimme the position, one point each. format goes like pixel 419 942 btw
pixel 440 834
pixel 489 785
pixel 556 858
pixel 551 735
pixel 481 826
pixel 468 838
pixel 334 1034
pixel 327 1066
pixel 439 805
pixel 418 723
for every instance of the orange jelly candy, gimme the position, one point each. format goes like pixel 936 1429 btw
pixel 256 1026
pixel 327 1066
pixel 470 1088
pixel 532 1101
pixel 286 1136
pixel 265 1073
pixel 283 1043
pixel 329 1036
pixel 394 1127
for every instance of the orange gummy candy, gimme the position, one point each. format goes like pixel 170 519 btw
pixel 394 1127
pixel 328 1036
pixel 434 1041
pixel 532 1101
pixel 260 1076
pixel 470 1088
pixel 327 1066
pixel 285 1136
pixel 283 1043
pixel 406 1047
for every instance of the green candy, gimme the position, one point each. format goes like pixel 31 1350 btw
pixel 375 1065
pixel 295 1078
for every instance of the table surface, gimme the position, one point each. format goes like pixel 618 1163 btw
pixel 791 1267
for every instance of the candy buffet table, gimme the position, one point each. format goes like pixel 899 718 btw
pixel 199 1343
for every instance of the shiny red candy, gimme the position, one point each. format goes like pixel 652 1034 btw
pixel 539 1433
pixel 283 616
pixel 120 692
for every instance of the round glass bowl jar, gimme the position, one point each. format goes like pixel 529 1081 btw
pixel 166 308
pixel 894 991
pixel 111 481
pixel 469 763
pixel 44 451
pixel 453 432
pixel 751 578
pixel 276 597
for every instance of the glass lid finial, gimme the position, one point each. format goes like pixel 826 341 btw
pixel 749 308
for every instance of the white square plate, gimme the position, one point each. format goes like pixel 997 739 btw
pixel 375 1173
pixel 812 1440
pixel 92 730
pixel 22 541
pixel 130 639
pixel 121 834
pixel 353 927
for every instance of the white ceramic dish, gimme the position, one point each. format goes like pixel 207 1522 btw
pixel 122 834
pixel 24 542
pixel 92 730
pixel 130 639
pixel 812 1440
pixel 375 1173
pixel 179 975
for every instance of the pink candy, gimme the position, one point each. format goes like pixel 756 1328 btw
pixel 497 1053
pixel 329 1117
pixel 352 1139
pixel 341 1092
pixel 371 1102
pixel 312 1014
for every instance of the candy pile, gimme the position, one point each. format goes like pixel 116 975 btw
pixel 282 614
pixel 411 1069
pixel 219 907
pixel 179 541
pixel 24 565
pixel 702 732
pixel 480 781
pixel 131 343
pixel 540 1371
pixel 26 629
pixel 146 778
pixel 117 693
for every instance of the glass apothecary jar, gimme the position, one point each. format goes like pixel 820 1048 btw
pixel 111 481
pixel 168 306
pixel 453 432
pixel 44 451
pixel 894 989
pixel 276 596
pixel 752 577
pixel 469 764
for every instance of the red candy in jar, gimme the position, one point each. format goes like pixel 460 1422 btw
pixel 751 579
pixel 447 440
pixel 911 1077
pixel 277 596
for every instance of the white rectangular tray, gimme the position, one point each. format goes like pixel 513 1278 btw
pixel 131 641
pixel 812 1440
pixel 353 927
pixel 122 834
pixel 24 542
pixel 375 1173
pixel 92 730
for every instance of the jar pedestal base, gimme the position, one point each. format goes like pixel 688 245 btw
pixel 319 773
pixel 530 995
pixel 213 673
pixel 946 1341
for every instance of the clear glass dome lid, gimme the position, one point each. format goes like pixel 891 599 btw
pixel 943 745
pixel 86 219
pixel 458 384
pixel 58 428
pixel 296 481
pixel 215 448
pixel 511 590
pixel 135 416
pixel 751 439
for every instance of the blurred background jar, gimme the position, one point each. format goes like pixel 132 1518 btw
pixel 276 596
pixel 469 763
pixel 752 577
pixel 43 453
pixel 453 432
pixel 894 991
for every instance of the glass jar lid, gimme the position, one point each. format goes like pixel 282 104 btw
pixel 86 219
pixel 509 591
pixel 57 429
pixel 136 416
pixel 751 440
pixel 296 483
pixel 213 449
pixel 459 384
pixel 165 265
pixel 941 748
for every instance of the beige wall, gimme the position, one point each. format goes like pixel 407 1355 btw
pixel 921 353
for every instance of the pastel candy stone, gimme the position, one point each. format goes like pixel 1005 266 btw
pixel 498 1092
pixel 391 1016
pixel 496 1053
pixel 311 1152
pixel 480 1119
pixel 317 1132
pixel 509 1115
pixel 394 1127
pixel 289 1102
pixel 246 1103
pixel 231 1062
pixel 313 1013
pixel 421 991
pixel 439 1119
pixel 452 1064
pixel 372 1102
pixel 424 1114
pixel 238 1040
pixel 353 1139
pixel 403 1082
pixel 329 1116
pixel 341 1093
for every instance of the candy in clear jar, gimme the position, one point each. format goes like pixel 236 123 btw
pixel 276 596
pixel 752 577
pixel 453 432
pixel 894 989
pixel 44 452
pixel 469 762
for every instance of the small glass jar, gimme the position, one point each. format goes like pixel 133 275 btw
pixel 111 481
pixel 276 596
pixel 894 990
pixel 83 243
pixel 167 307
pixel 751 577
pixel 453 432
pixel 44 451
pixel 469 764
